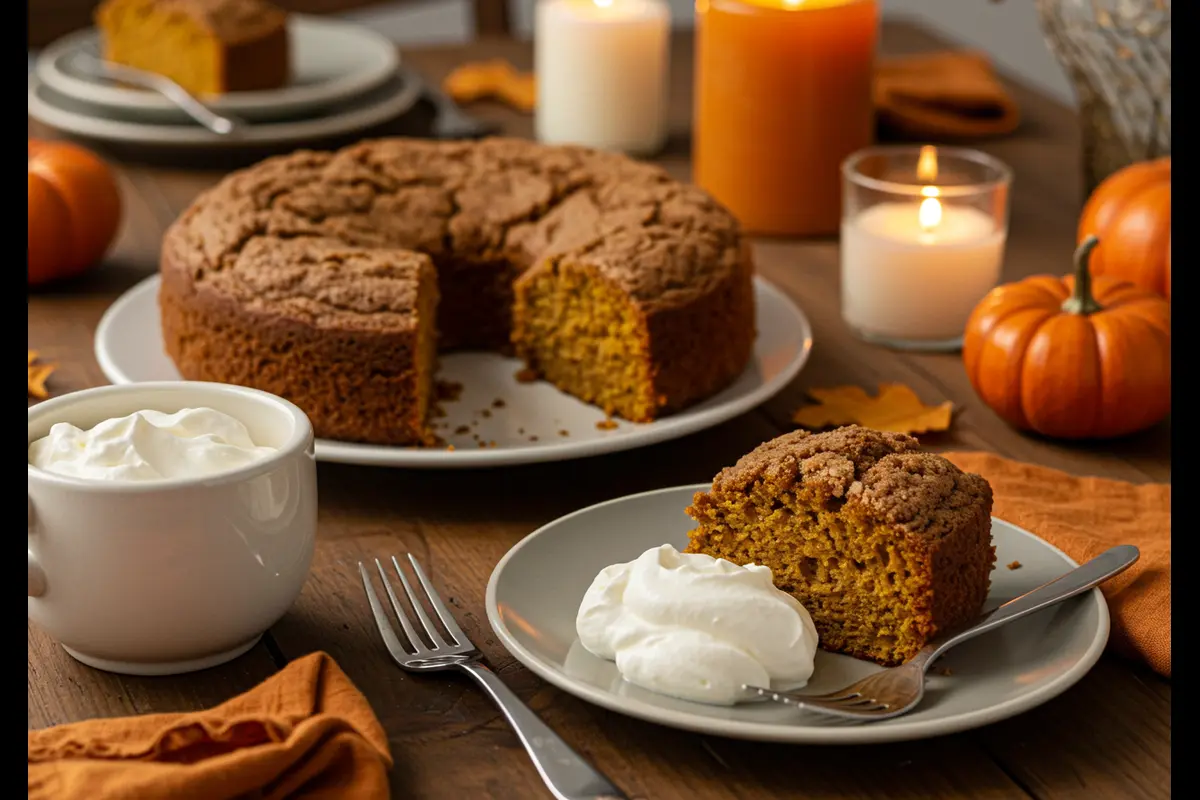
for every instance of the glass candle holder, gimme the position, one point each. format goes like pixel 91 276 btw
pixel 782 97
pixel 923 236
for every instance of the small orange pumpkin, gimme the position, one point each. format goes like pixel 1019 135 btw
pixel 1130 211
pixel 74 210
pixel 1075 357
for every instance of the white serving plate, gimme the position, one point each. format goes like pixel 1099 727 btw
pixel 528 427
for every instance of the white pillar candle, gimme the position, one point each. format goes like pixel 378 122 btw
pixel 601 70
pixel 916 270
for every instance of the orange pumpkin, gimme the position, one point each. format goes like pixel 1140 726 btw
pixel 1073 358
pixel 1130 211
pixel 74 210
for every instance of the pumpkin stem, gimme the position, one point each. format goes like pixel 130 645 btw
pixel 1081 300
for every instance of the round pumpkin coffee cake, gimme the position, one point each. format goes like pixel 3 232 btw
pixel 333 279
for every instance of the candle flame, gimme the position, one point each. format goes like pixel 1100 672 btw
pixel 930 214
pixel 927 166
pixel 603 3
pixel 792 3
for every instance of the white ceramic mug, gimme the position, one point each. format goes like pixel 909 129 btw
pixel 163 577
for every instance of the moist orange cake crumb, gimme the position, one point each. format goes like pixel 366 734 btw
pixel 208 47
pixel 885 545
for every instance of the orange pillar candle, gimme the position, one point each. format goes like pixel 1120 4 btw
pixel 783 96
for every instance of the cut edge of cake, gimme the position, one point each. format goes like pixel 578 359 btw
pixel 884 544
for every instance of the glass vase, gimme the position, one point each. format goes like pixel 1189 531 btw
pixel 1117 54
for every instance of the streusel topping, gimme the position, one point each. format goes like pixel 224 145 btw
pixel 884 473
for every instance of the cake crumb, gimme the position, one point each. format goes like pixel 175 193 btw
pixel 533 438
pixel 498 403
pixel 564 432
pixel 1014 565
pixel 462 429
pixel 492 443
pixel 520 431
pixel 526 375
pixel 482 443
pixel 447 391
pixel 485 413
pixel 606 424
pixel 449 447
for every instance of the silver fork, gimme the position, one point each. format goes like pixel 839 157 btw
pixel 898 690
pixel 224 125
pixel 565 772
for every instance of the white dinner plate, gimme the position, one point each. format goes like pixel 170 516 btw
pixel 517 423
pixel 332 62
pixel 385 102
pixel 535 591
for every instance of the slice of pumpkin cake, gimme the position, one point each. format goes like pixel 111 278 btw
pixel 884 545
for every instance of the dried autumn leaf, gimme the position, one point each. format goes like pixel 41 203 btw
pixel 38 373
pixel 496 79
pixel 896 408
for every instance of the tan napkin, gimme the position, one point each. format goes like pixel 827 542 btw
pixel 1083 517
pixel 942 96
pixel 305 732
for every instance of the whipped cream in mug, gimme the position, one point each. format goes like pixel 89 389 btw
pixel 149 446
pixel 696 627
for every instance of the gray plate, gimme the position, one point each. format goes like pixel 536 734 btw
pixel 332 62
pixel 385 102
pixel 535 591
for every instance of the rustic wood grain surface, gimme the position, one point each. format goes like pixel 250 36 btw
pixel 1109 736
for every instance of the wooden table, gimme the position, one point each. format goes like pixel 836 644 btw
pixel 1109 736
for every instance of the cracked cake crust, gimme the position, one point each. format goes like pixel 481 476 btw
pixel 886 474
pixel 254 252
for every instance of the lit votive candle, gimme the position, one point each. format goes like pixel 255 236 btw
pixel 923 234
pixel 783 96
pixel 601 70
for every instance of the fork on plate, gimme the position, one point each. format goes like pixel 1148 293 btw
pixel 565 772
pixel 898 690
pixel 89 60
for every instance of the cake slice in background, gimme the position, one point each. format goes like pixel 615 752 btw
pixel 884 545
pixel 208 47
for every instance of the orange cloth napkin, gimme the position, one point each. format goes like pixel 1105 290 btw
pixel 940 96
pixel 933 97
pixel 1083 517
pixel 304 732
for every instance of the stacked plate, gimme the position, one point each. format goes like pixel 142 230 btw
pixel 345 78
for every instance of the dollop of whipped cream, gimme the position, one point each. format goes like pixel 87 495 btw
pixel 697 627
pixel 149 446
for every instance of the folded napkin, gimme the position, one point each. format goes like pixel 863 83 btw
pixel 1083 517
pixel 941 96
pixel 304 732
pixel 952 95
